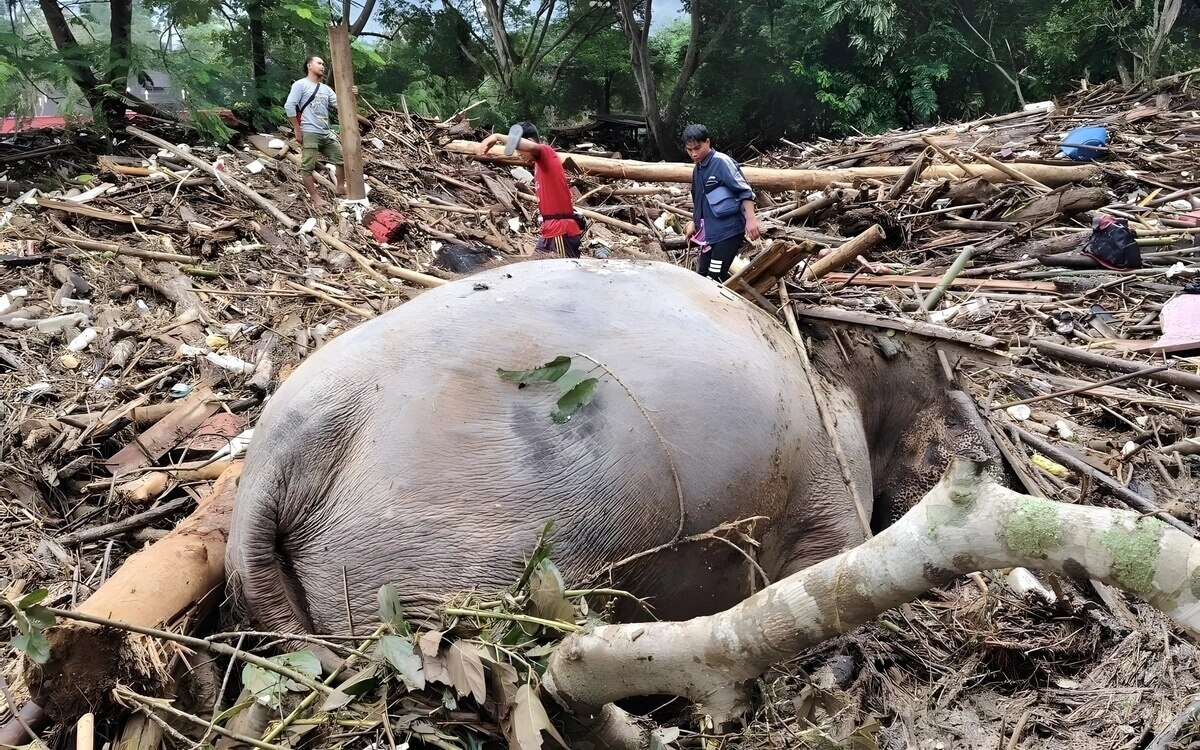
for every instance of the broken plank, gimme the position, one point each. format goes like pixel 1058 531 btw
pixel 165 434
pixel 96 213
pixel 919 328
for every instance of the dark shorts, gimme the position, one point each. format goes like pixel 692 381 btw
pixel 716 262
pixel 319 143
pixel 562 246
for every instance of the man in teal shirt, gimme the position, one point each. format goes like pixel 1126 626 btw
pixel 308 106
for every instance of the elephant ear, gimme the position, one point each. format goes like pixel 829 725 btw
pixel 547 373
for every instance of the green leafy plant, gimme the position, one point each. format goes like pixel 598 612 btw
pixel 578 390
pixel 31 620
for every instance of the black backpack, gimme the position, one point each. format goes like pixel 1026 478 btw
pixel 1113 244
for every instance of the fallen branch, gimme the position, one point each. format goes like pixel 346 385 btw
pixel 965 524
pixel 1083 357
pixel 929 330
pixel 222 177
pixel 112 247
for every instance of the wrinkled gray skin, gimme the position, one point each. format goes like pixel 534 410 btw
pixel 396 454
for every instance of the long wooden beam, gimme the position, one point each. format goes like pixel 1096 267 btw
pixel 765 178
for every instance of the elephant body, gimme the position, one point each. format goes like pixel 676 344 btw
pixel 396 454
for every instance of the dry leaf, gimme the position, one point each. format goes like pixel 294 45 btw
pixel 430 642
pixel 466 671
pixel 528 720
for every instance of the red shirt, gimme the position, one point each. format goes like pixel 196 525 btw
pixel 554 195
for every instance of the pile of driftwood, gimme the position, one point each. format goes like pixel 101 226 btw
pixel 152 298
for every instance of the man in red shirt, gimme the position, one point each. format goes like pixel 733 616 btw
pixel 562 232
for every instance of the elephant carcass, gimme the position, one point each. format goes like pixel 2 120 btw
pixel 396 454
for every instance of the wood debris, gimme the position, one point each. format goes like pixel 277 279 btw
pixel 150 299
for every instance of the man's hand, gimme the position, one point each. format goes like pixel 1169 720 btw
pixel 299 135
pixel 486 144
pixel 753 230
pixel 354 90
pixel 689 231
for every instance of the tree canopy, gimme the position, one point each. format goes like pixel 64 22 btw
pixel 752 70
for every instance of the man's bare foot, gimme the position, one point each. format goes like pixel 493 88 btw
pixel 339 190
pixel 318 202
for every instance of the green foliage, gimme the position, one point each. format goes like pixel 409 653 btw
pixel 577 389
pixel 31 620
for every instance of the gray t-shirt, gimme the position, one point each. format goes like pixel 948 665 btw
pixel 315 117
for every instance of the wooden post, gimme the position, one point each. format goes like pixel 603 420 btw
pixel 343 84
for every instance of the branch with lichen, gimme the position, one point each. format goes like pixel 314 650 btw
pixel 967 523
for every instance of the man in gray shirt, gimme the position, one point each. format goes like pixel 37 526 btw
pixel 308 106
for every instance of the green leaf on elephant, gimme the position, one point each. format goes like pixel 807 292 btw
pixel 466 671
pixel 34 645
pixel 570 380
pixel 390 610
pixel 399 653
pixel 264 686
pixel 574 400
pixel 547 373
pixel 546 594
pixel 232 711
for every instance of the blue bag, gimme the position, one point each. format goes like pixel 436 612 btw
pixel 1076 144
pixel 723 202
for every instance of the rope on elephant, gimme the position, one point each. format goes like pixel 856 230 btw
pixel 661 441
pixel 823 410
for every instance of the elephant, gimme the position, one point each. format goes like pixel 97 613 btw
pixel 396 454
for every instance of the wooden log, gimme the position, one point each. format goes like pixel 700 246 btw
pixel 910 175
pixel 1021 175
pixel 1073 354
pixel 222 178
pixel 973 190
pixel 184 569
pixel 343 78
pixel 853 247
pixel 928 330
pixel 1065 203
pixel 785 179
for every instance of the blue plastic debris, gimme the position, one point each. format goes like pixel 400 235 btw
pixel 1085 143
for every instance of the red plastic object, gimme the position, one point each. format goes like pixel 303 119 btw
pixel 386 224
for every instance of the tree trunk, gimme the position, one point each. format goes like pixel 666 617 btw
pixel 120 25
pixel 1166 12
pixel 966 523
pixel 786 179
pixel 258 54
pixel 65 43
